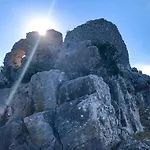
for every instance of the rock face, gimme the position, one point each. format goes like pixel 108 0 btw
pixel 100 31
pixel 43 89
pixel 88 115
pixel 39 129
pixel 99 48
pixel 47 50
pixel 88 59
pixel 80 94
pixel 21 106
pixel 3 80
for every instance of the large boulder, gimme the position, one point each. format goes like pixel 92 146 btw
pixel 131 144
pixel 14 136
pixel 84 58
pixel 24 47
pixel 79 59
pixel 87 118
pixel 3 81
pixel 4 94
pixel 40 131
pixel 100 31
pixel 124 102
pixel 143 102
pixel 43 89
pixel 38 95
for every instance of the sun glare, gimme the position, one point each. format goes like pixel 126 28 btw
pixel 41 25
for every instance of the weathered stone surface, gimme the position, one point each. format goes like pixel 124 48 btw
pixel 83 58
pixel 80 121
pixel 143 102
pixel 100 31
pixel 4 94
pixel 79 59
pixel 47 50
pixel 3 81
pixel 94 101
pixel 134 145
pixel 125 106
pixel 77 88
pixel 43 89
pixel 40 131
pixel 21 104
pixel 12 135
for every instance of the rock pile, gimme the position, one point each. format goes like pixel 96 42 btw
pixel 80 94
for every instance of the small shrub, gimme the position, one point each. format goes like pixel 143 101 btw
pixel 109 57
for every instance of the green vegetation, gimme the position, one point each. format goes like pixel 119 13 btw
pixel 109 57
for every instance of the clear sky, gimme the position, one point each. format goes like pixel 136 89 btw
pixel 131 16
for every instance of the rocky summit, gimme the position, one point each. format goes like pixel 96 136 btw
pixel 80 94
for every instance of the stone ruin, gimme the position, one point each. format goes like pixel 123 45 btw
pixel 47 50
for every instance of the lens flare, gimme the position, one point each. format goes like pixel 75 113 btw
pixel 40 25
pixel 15 87
pixel 17 83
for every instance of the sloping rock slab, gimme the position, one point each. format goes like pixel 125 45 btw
pixel 89 118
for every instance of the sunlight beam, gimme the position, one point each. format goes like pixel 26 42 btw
pixel 15 87
pixel 18 82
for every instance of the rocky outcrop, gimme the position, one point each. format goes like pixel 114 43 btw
pixel 3 80
pixel 103 59
pixel 88 59
pixel 39 129
pixel 134 144
pixel 88 114
pixel 43 89
pixel 80 95
pixel 124 102
pixel 4 94
pixel 21 106
pixel 100 31
pixel 43 59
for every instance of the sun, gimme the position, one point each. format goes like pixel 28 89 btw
pixel 41 25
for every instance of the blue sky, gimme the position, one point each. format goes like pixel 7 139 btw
pixel 131 16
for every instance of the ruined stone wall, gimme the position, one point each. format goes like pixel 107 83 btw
pixel 24 46
pixel 48 47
